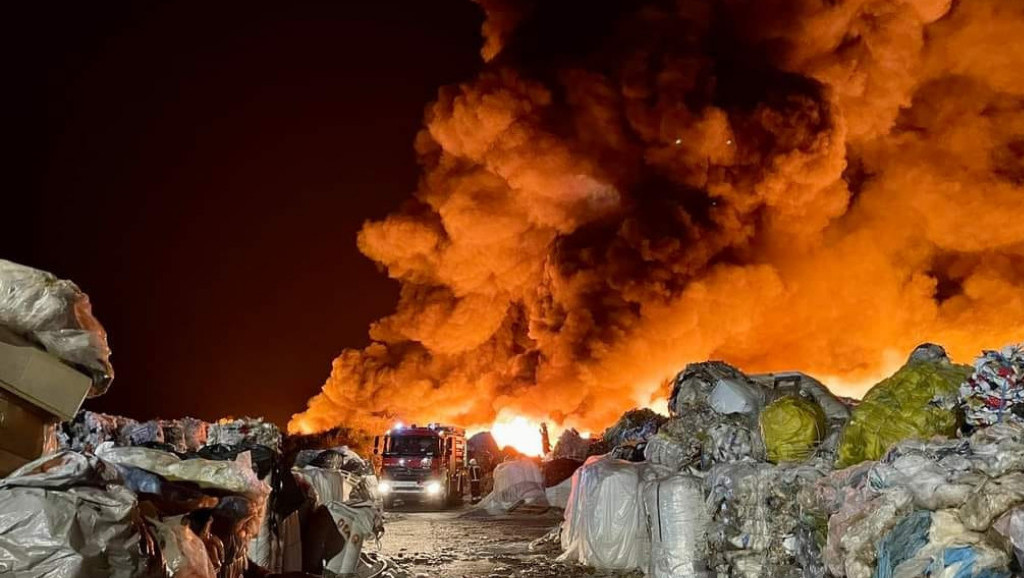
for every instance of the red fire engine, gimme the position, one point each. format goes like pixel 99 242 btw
pixel 426 464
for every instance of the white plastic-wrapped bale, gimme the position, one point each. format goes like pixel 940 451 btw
pixel 677 522
pixel 604 524
pixel 516 482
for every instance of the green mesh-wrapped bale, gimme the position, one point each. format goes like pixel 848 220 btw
pixel 792 427
pixel 918 401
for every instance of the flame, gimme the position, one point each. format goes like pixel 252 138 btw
pixel 831 183
pixel 518 432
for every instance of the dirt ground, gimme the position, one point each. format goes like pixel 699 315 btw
pixel 464 543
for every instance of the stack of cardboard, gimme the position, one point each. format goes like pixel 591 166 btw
pixel 37 391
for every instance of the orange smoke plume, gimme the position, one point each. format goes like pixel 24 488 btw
pixel 776 183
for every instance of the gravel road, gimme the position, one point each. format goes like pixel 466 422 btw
pixel 465 544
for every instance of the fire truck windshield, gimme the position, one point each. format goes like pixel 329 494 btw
pixel 414 445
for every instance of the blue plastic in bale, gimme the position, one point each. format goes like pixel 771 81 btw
pixel 903 542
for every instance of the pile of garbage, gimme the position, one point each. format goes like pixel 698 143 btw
pixel 129 512
pixel 94 495
pixel 773 476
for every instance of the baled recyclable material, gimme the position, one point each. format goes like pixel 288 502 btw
pixel 919 401
pixel 792 428
pixel 603 523
pixel 57 315
pixel 677 522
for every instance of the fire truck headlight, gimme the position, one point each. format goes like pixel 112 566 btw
pixel 425 462
pixel 434 488
pixel 384 487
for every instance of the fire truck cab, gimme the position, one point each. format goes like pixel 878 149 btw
pixel 425 464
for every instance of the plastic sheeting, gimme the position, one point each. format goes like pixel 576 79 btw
pixel 58 519
pixel 604 523
pixel 558 495
pixel 516 482
pixel 792 428
pixel 236 476
pixel 918 401
pixel 677 522
pixel 57 315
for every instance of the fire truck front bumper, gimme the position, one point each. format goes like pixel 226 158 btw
pixel 409 489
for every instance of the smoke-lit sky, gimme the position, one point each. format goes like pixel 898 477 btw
pixel 201 170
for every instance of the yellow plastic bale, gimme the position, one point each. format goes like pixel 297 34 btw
pixel 918 401
pixel 792 427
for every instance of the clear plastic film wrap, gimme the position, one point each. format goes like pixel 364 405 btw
pixel 603 524
pixel 56 315
pixel 677 522
pixel 515 482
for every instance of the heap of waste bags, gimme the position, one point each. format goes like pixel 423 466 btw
pixel 129 512
pixel 746 479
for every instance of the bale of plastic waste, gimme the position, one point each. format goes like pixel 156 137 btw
pixel 792 428
pixel 516 482
pixel 245 432
pixel 604 524
pixel 995 391
pixel 677 521
pixel 571 445
pixel 715 409
pixel 836 410
pixel 90 429
pixel 57 315
pixel 558 494
pixel 665 451
pixel 966 489
pixel 140 433
pixel 187 434
pixel 920 400
pixel 758 523
pixel 636 425
pixel 66 516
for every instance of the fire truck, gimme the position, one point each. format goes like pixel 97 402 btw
pixel 425 464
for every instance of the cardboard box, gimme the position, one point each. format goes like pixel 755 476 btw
pixel 25 432
pixel 42 380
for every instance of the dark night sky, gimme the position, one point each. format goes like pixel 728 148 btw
pixel 201 170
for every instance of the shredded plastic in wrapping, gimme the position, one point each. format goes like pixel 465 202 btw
pixel 918 401
pixel 792 428
pixel 184 553
pixel 602 523
pixel 676 522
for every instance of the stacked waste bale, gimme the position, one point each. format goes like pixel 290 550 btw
pixel 129 512
pixel 929 508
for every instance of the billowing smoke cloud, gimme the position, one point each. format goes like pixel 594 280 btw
pixel 628 187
